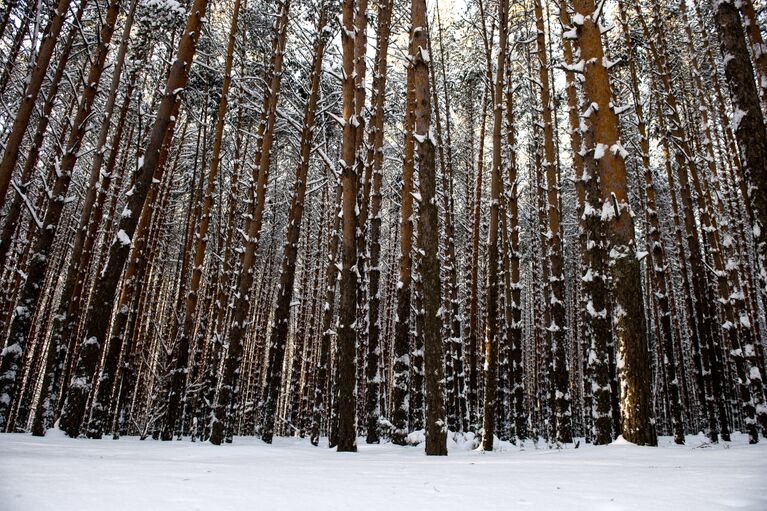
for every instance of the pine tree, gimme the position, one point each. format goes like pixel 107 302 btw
pixel 428 231
pixel 346 354
pixel 374 164
pixel 182 344
pixel 229 377
pixel 492 334
pixel 279 332
pixel 637 423
pixel 32 89
pixel 33 285
pixel 97 318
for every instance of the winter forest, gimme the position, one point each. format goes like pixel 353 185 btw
pixel 385 226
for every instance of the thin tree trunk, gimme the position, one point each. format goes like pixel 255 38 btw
pixel 28 100
pixel 322 369
pixel 492 336
pixel 400 397
pixel 97 318
pixel 230 377
pixel 758 48
pixel 15 209
pixel 278 336
pixel 180 357
pixel 375 163
pixel 33 286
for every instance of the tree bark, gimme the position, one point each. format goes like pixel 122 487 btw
pixel 492 336
pixel 28 100
pixel 33 286
pixel 281 319
pixel 230 377
pixel 750 128
pixel 628 311
pixel 428 233
pixel 97 318
pixel 180 361
pixel 346 347
pixel 375 162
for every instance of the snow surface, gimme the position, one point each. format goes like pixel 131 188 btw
pixel 62 474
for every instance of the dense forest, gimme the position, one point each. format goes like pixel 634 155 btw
pixel 391 220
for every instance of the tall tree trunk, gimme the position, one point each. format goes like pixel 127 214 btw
pixel 230 375
pixel 428 233
pixel 557 329
pixel 656 252
pixel 36 146
pixel 748 124
pixel 627 312
pixel 97 318
pixel 33 286
pixel 322 369
pixel 514 327
pixel 180 360
pixel 346 347
pixel 364 184
pixel 28 100
pixel 492 336
pixel 375 162
pixel 400 395
pixel 278 336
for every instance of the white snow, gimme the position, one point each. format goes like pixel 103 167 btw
pixel 62 474
pixel 737 117
pixel 600 151
pixel 123 237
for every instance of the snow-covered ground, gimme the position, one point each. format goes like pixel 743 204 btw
pixel 62 474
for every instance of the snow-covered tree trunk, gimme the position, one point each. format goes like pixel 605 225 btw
pixel 656 253
pixel 633 363
pixel 278 335
pixel 374 161
pixel 229 387
pixel 96 322
pixel 346 344
pixel 758 48
pixel 33 285
pixel 749 127
pixel 322 370
pixel 472 337
pixel 32 89
pixel 428 232
pixel 400 395
pixel 176 379
pixel 557 327
pixel 492 335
